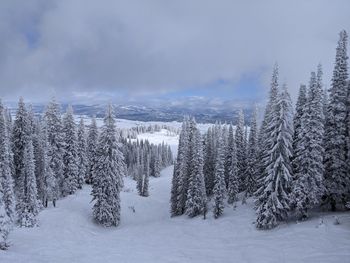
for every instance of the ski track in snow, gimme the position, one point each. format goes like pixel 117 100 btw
pixel 68 233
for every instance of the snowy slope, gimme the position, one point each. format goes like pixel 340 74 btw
pixel 68 234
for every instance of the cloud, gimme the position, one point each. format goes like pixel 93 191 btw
pixel 83 48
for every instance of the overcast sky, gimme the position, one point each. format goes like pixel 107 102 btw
pixel 134 50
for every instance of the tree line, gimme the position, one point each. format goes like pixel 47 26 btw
pixel 45 158
pixel 290 165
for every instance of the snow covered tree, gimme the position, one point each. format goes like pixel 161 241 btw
pixel 252 151
pixel 5 223
pixel 308 187
pixel 233 180
pixel 70 169
pixel 6 181
pixel 335 162
pixel 81 154
pixel 27 206
pixel 180 170
pixel 108 172
pixel 264 133
pixel 209 162
pixel 91 149
pixel 228 154
pixel 53 127
pixel 241 151
pixel 143 178
pixel 299 123
pixel 196 196
pixel 273 199
pixel 219 190
pixel 20 137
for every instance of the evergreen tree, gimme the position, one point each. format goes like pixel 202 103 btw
pixel 180 170
pixel 91 149
pixel 20 137
pixel 241 151
pixel 209 162
pixel 81 154
pixel 273 201
pixel 27 206
pixel 228 155
pixel 219 181
pixel 143 178
pixel 53 127
pixel 196 196
pixel 335 162
pixel 299 123
pixel 108 173
pixel 5 223
pixel 233 180
pixel 6 181
pixel 265 133
pixel 308 188
pixel 70 170
pixel 252 151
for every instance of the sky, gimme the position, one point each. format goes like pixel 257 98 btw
pixel 113 50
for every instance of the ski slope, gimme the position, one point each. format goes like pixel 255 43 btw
pixel 67 233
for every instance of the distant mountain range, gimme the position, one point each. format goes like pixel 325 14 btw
pixel 203 111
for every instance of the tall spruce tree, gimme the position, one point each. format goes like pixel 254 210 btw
pixel 20 137
pixel 308 187
pixel 336 164
pixel 209 162
pixel 70 170
pixel 252 152
pixel 219 191
pixel 27 204
pixel 91 149
pixel 265 133
pixel 233 180
pixel 107 176
pixel 196 196
pixel 273 200
pixel 53 127
pixel 228 154
pixel 81 154
pixel 6 181
pixel 241 151
pixel 299 123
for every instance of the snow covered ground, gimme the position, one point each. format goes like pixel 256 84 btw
pixel 163 135
pixel 67 233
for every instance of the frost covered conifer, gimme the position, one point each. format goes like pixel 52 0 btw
pixel 233 180
pixel 265 133
pixel 241 151
pixel 228 154
pixel 81 154
pixel 180 172
pixel 20 137
pixel 91 149
pixel 143 178
pixel 308 187
pixel 299 123
pixel 209 162
pixel 196 196
pixel 273 195
pixel 335 162
pixel 53 127
pixel 70 169
pixel 5 223
pixel 252 151
pixel 6 181
pixel 219 190
pixel 108 173
pixel 27 204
